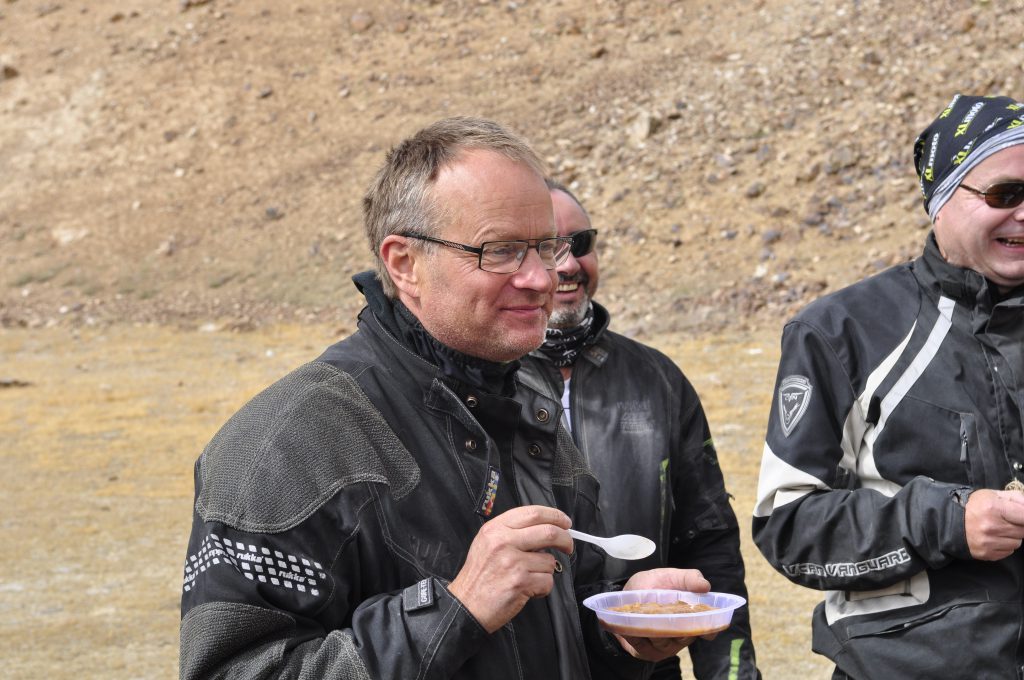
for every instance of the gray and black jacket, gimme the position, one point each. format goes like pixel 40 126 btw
pixel 334 508
pixel 642 429
pixel 895 397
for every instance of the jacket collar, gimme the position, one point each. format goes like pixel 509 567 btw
pixel 454 366
pixel 963 285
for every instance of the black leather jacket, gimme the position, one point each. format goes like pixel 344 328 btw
pixel 333 510
pixel 642 429
pixel 895 397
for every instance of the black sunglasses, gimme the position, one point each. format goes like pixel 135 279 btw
pixel 583 242
pixel 1003 195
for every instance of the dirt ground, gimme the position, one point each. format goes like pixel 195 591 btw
pixel 97 457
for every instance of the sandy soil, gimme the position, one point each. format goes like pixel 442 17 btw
pixel 97 452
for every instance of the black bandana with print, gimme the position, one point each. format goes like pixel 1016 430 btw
pixel 562 345
pixel 969 130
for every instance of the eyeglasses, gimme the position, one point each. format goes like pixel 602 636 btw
pixel 506 257
pixel 1003 195
pixel 583 242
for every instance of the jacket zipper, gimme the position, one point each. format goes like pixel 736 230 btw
pixel 963 442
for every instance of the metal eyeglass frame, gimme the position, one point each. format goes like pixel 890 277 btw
pixel 559 257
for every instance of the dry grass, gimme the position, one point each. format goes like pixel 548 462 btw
pixel 97 457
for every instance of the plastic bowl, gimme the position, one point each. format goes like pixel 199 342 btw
pixel 664 625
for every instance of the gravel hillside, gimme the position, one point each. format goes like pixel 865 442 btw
pixel 201 162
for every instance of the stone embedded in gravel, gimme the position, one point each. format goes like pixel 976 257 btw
pixel 840 159
pixel 964 22
pixel 813 218
pixel 808 172
pixel 644 127
pixel 765 153
pixel 755 190
pixel 360 21
pixel 273 213
pixel 167 247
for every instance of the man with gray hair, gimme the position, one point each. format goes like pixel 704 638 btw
pixel 892 472
pixel 389 510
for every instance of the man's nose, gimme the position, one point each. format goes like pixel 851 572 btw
pixel 533 274
pixel 569 267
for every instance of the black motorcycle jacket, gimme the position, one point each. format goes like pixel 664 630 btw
pixel 895 398
pixel 642 429
pixel 333 510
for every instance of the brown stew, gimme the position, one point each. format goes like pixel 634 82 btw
pixel 659 608
pixel 677 629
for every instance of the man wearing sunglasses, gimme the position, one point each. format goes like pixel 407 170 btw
pixel 398 507
pixel 893 469
pixel 642 429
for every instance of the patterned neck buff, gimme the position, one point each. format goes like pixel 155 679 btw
pixel 969 130
pixel 562 345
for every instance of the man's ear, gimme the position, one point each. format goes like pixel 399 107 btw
pixel 939 232
pixel 400 260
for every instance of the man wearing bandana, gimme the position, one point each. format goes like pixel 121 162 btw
pixel 641 427
pixel 892 471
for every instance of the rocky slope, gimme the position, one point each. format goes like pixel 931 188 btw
pixel 201 162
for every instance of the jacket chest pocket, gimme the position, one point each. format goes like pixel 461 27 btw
pixel 921 438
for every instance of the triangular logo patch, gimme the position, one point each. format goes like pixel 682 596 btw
pixel 794 396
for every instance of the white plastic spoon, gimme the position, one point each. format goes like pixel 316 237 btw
pixel 625 547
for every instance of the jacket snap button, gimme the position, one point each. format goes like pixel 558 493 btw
pixel 1017 465
pixel 558 567
pixel 471 401
pixel 471 445
pixel 543 415
pixel 533 449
